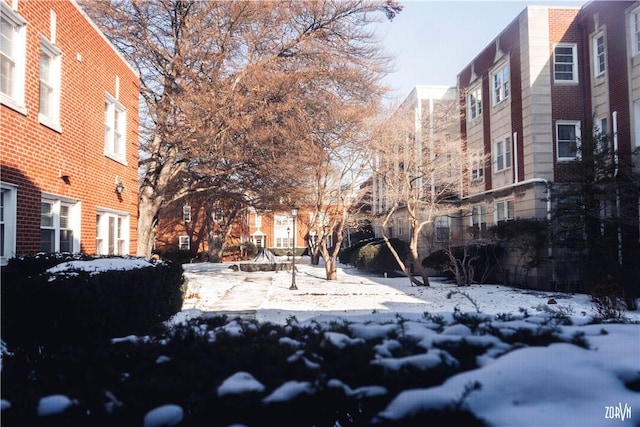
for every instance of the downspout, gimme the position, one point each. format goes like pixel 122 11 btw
pixel 515 156
pixel 616 161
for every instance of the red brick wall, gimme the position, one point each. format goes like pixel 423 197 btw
pixel 568 100
pixel 34 156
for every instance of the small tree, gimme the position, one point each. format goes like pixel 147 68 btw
pixel 417 169
pixel 595 213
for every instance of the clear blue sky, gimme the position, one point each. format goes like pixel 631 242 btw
pixel 434 40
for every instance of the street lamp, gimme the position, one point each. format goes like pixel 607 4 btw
pixel 294 214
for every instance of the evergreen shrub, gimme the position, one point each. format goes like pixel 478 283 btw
pixel 82 306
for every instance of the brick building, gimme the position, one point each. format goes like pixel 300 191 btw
pixel 529 98
pixel 69 134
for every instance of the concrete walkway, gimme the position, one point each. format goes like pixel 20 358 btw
pixel 239 294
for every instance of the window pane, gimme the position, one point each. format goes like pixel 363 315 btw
pixel 566 132
pixel 47 240
pixel 66 241
pixel 64 216
pixel 46 214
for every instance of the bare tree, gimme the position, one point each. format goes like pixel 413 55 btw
pixel 418 170
pixel 225 83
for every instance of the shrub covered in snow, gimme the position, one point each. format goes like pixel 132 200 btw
pixel 78 298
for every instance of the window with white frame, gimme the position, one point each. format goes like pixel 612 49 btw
pixel 7 223
pixel 599 60
pixel 474 100
pixel 502 154
pixel 442 225
pixel 635 31
pixel 112 233
pixel 114 129
pixel 12 58
pixel 504 211
pixel 49 112
pixel 59 225
pixel 568 140
pixel 400 225
pixel 565 63
pixel 258 221
pixel 184 243
pixel 636 122
pixel 186 213
pixel 602 131
pixel 477 167
pixel 479 218
pixel 500 84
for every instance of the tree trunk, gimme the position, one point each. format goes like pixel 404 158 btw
pixel 148 210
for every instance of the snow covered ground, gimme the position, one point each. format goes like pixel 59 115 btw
pixel 558 385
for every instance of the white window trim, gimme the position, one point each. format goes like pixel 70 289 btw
pixel 506 155
pixel 186 213
pixel 636 122
pixel 109 119
pixel 596 62
pixel 52 51
pixel 634 31
pixel 475 108
pixel 578 155
pixel 184 241
pixel 479 213
pixel 102 230
pixel 574 70
pixel 9 220
pixel 476 169
pixel 499 95
pixel 503 205
pixel 75 210
pixel 16 100
pixel 443 222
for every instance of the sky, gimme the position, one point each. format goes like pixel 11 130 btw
pixel 556 385
pixel 432 41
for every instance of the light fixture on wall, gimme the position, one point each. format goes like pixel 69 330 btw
pixel 119 186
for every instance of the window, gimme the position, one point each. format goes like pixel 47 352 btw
pixel 7 223
pixel 112 233
pixel 184 243
pixel 504 211
pixel 186 213
pixel 502 151
pixel 501 85
pixel 59 226
pixel 477 167
pixel 567 137
pixel 599 63
pixel 114 129
pixel 400 224
pixel 475 103
pixel 565 63
pixel 636 122
pixel 602 131
pixel 635 31
pixel 49 113
pixel 442 229
pixel 12 58
pixel 479 219
pixel 258 221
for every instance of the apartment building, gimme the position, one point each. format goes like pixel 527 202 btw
pixel 418 166
pixel 69 134
pixel 528 99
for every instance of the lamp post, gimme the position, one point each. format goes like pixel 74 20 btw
pixel 288 243
pixel 294 214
